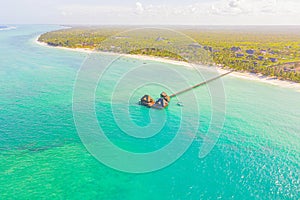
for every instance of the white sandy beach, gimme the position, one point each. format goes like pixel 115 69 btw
pixel 248 76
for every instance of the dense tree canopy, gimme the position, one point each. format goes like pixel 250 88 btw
pixel 269 54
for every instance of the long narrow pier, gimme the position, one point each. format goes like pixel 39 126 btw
pixel 200 84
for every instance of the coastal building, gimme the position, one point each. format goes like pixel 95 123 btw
pixel 250 51
pixel 263 51
pixel 260 58
pixel 235 49
pixel 121 37
pixel 273 60
pixel 239 55
pixel 208 48
pixel 159 39
pixel 287 69
pixel 272 52
pixel 195 45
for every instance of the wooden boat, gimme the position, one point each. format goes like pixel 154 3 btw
pixel 164 99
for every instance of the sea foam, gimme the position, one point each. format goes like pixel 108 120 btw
pixel 6 28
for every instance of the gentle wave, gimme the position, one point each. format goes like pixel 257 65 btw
pixel 6 28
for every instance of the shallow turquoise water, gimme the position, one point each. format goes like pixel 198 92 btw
pixel 257 155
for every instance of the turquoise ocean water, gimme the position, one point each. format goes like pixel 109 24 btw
pixel 42 157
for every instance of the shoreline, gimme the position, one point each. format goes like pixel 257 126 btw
pixel 241 75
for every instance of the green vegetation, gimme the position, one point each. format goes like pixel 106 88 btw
pixel 267 52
